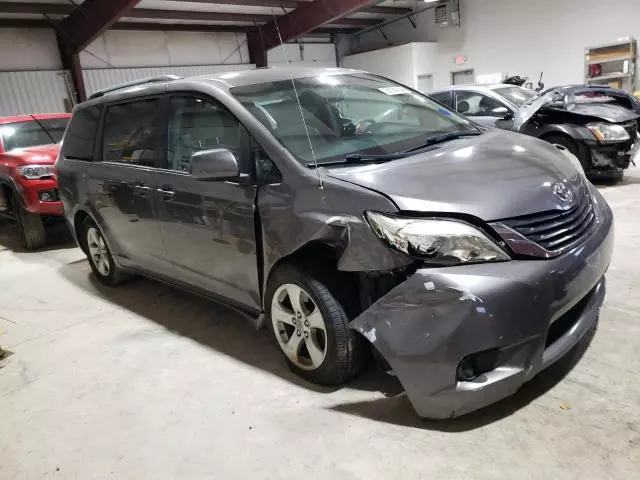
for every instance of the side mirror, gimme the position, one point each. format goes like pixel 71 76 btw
pixel 508 116
pixel 216 164
pixel 500 111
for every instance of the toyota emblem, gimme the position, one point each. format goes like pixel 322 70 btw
pixel 563 192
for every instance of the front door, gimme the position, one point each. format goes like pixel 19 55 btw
pixel 208 226
pixel 481 108
pixel 122 183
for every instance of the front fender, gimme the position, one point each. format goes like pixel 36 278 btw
pixel 294 216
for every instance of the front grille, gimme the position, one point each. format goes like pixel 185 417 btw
pixel 557 230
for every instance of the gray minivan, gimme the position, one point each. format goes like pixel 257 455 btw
pixel 352 215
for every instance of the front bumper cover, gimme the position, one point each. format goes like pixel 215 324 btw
pixel 30 193
pixel 614 155
pixel 426 325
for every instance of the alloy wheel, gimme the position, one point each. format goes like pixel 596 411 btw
pixel 299 327
pixel 98 252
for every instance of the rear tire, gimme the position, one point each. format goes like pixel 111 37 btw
pixel 315 323
pixel 99 255
pixel 31 226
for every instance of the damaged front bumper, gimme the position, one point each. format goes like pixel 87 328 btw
pixel 514 318
pixel 614 156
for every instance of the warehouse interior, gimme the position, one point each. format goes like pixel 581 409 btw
pixel 149 381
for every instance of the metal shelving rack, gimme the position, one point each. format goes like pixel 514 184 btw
pixel 618 62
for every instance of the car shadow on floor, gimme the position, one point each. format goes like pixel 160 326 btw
pixel 611 183
pixel 227 331
pixel 211 324
pixel 398 411
pixel 58 237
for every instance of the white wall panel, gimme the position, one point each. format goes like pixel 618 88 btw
pixel 522 37
pixel 28 49
pixel 124 49
pixel 32 92
pixel 393 62
pixel 97 79
pixel 307 54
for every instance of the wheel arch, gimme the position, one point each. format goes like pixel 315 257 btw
pixel 9 189
pixel 318 256
pixel 79 217
pixel 558 129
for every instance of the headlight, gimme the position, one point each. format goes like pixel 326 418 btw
pixel 606 133
pixel 35 172
pixel 440 242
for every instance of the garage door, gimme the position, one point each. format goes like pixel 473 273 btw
pixel 33 92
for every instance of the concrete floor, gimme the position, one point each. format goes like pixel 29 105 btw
pixel 146 382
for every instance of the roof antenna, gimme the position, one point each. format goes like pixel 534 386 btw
pixel 295 92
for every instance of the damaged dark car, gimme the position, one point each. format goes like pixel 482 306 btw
pixel 602 134
pixel 350 214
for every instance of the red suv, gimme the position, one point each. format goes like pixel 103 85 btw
pixel 29 146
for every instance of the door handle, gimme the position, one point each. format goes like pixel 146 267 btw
pixel 166 193
pixel 140 189
pixel 139 186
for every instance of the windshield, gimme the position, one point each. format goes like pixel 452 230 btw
pixel 516 95
pixel 347 114
pixel 30 133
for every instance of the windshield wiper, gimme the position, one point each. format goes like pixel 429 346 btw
pixel 360 158
pixel 43 128
pixel 445 137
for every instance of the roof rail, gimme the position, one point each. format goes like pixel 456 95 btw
pixel 142 81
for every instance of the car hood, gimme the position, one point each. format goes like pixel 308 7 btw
pixel 40 155
pixel 493 176
pixel 607 112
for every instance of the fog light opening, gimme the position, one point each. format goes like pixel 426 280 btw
pixel 474 366
pixel 467 370
pixel 48 195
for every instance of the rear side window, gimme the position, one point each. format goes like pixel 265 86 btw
pixel 131 132
pixel 81 134
pixel 444 98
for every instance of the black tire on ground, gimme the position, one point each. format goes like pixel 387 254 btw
pixel 572 146
pixel 115 275
pixel 31 226
pixel 347 351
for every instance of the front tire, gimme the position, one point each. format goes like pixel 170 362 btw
pixel 311 328
pixel 572 147
pixel 32 232
pixel 99 255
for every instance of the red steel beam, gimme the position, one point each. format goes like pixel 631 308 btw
pixel 308 17
pixel 298 3
pixel 298 22
pixel 91 19
pixel 161 27
pixel 100 14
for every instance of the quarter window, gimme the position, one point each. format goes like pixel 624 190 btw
pixel 196 125
pixel 78 141
pixel 443 97
pixel 131 132
pixel 265 170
